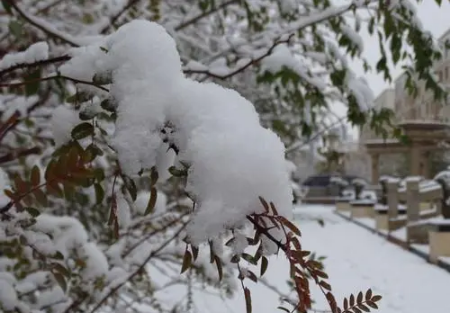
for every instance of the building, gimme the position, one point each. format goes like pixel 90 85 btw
pixel 425 121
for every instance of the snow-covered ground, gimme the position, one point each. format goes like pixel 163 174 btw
pixel 356 260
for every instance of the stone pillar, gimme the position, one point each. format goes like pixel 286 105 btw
pixel 425 165
pixel 375 168
pixel 412 208
pixel 415 154
pixel 392 197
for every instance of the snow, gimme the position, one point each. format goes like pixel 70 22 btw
pixel 35 52
pixel 355 260
pixel 63 120
pixel 210 126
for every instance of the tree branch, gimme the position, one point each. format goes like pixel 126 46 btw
pixel 245 66
pixel 139 269
pixel 34 64
pixel 115 17
pixel 19 153
pixel 196 18
pixel 35 23
pixel 51 78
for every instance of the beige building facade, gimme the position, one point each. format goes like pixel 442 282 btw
pixel 425 121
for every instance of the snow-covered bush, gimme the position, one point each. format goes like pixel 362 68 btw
pixel 443 179
pixel 341 183
pixel 122 160
pixel 358 184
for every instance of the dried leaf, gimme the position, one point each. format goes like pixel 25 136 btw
pixel 289 225
pixel 265 204
pixel 41 197
pixel 274 209
pixel 152 201
pixel 352 300
pixel 363 307
pixel 187 261
pixel 35 176
pixel 345 305
pixel 368 294
pixel 376 298
pixel 356 310
pixel 372 304
pixel 248 300
pixel 325 285
pixel 264 264
pixel 359 299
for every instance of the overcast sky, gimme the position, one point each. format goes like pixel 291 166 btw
pixel 434 18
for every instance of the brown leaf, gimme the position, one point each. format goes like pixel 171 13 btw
pixel 359 299
pixel 21 186
pixel 187 261
pixel 368 294
pixel 35 176
pixel 376 298
pixel 264 264
pixel 289 225
pixel 248 300
pixel 363 307
pixel 325 285
pixel 274 209
pixel 345 304
pixel 41 197
pixel 264 204
pixel 352 300
pixel 372 304
pixel 356 310
pixel 9 194
pixel 152 201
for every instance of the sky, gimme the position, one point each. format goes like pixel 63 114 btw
pixel 434 19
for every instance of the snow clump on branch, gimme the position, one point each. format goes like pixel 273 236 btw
pixel 232 160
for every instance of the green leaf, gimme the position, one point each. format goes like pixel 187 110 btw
pixel 61 281
pixel 99 193
pixel 32 211
pixel 15 28
pixel 107 105
pixel 61 269
pixel 7 6
pixel 131 186
pixel 33 81
pixel 58 256
pixel 82 130
pixel 264 264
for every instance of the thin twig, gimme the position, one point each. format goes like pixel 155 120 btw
pixel 33 22
pixel 139 269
